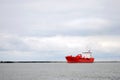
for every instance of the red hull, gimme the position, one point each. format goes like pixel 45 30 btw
pixel 79 59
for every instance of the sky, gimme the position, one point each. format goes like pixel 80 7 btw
pixel 45 30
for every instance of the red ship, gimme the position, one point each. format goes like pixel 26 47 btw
pixel 85 57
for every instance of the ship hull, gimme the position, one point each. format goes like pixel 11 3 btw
pixel 71 59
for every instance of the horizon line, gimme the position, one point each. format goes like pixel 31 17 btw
pixel 54 62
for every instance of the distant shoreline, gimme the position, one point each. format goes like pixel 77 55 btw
pixel 53 62
pixel 32 61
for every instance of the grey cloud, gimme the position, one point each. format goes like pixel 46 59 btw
pixel 45 18
pixel 34 18
pixel 12 43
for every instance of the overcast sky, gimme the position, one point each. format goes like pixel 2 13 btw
pixel 52 29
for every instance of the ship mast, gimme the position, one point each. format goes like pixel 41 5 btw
pixel 87 54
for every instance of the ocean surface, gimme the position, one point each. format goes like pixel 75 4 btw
pixel 59 71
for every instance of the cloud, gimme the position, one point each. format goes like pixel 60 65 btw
pixel 47 29
pixel 12 42
pixel 50 18
pixel 87 24
pixel 48 48
pixel 58 6
pixel 101 43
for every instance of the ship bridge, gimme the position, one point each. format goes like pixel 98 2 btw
pixel 87 54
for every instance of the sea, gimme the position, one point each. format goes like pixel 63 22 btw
pixel 59 71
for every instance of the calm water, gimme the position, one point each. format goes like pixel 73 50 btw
pixel 59 71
